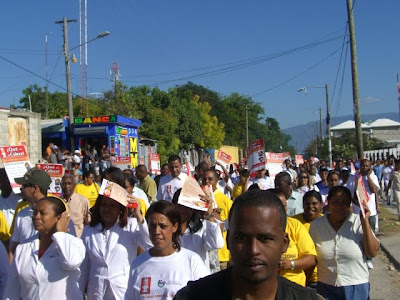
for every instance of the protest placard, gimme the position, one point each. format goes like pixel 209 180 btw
pixel 190 195
pixel 362 194
pixel 16 163
pixel 224 159
pixel 256 156
pixel 298 160
pixel 155 167
pixel 56 172
pixel 275 162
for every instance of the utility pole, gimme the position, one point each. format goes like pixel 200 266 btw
pixel 354 74
pixel 247 127
pixel 328 124
pixel 47 82
pixel 320 124
pixel 64 23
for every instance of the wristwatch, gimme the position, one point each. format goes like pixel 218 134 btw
pixel 292 265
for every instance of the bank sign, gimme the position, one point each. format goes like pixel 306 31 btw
pixel 95 120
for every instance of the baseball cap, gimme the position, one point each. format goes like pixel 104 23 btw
pixel 77 151
pixel 36 177
pixel 55 147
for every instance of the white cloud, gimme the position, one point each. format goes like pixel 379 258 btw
pixel 369 100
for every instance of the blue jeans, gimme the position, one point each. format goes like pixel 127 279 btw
pixel 348 292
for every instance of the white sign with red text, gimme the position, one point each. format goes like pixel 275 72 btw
pixel 224 159
pixel 256 156
pixel 56 172
pixel 275 162
pixel 16 163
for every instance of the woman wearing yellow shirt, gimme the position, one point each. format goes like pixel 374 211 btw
pixel 312 204
pixel 239 187
pixel 301 254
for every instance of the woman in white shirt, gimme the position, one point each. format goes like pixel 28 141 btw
pixel 200 233
pixel 304 184
pixel 343 240
pixel 162 271
pixel 111 241
pixel 46 266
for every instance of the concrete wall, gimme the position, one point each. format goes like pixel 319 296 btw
pixel 386 134
pixel 33 136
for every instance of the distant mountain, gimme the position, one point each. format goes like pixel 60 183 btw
pixel 303 134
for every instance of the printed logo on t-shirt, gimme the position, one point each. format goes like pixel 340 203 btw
pixel 145 285
pixel 169 189
pixel 161 283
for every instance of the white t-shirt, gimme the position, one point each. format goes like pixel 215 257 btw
pixel 8 205
pixel 386 172
pixel 340 255
pixel 264 183
pixel 139 193
pixel 209 237
pixel 222 186
pixel 162 277
pixel 54 276
pixel 169 185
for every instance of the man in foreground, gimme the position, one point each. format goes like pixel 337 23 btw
pixel 256 240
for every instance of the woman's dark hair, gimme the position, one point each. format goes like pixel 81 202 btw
pixel 167 209
pixel 87 173
pixel 116 175
pixel 58 204
pixel 96 217
pixel 195 220
pixel 341 191
pixel 311 194
pixel 130 179
pixel 254 186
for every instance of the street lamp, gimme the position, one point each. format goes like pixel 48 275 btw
pixel 67 57
pixel 328 116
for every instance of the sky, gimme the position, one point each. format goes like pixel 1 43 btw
pixel 266 50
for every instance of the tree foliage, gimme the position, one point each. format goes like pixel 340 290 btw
pixel 343 146
pixel 179 118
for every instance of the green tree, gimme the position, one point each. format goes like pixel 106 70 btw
pixel 344 146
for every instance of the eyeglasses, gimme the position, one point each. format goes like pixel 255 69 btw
pixel 303 177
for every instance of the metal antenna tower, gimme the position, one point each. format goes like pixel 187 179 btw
pixel 83 57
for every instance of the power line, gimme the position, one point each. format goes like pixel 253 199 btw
pixel 298 75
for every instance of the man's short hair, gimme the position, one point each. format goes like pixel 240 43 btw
pixel 284 176
pixel 258 198
pixel 141 167
pixel 174 158
pixel 203 166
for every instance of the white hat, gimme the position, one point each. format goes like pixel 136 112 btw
pixel 77 151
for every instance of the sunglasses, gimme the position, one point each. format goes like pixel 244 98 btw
pixel 26 185
pixel 303 177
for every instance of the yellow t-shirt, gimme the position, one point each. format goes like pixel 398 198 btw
pixel 90 192
pixel 237 190
pixel 300 217
pixel 225 204
pixel 143 207
pixel 20 206
pixel 4 229
pixel 300 243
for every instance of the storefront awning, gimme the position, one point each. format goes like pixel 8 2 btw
pixel 90 130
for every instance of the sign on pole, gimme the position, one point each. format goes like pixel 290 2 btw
pixel 56 172
pixel 16 163
pixel 256 156
pixel 224 159
pixel 155 163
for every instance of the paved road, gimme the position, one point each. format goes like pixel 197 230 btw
pixel 385 284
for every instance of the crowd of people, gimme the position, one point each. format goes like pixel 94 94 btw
pixel 299 235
